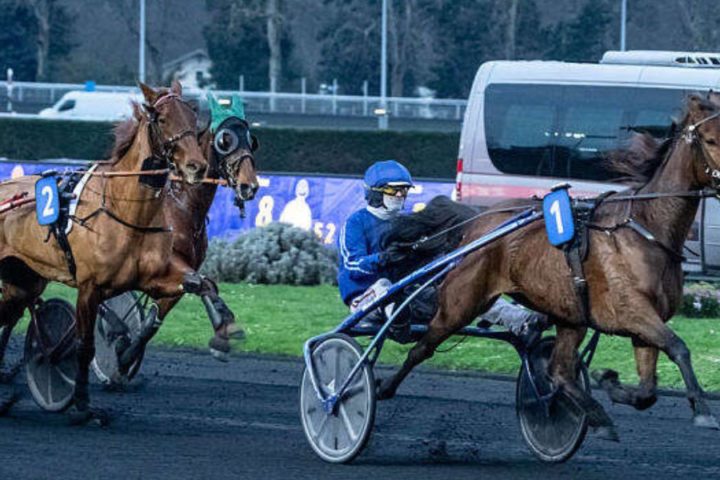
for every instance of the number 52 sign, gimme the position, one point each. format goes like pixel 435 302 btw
pixel 559 223
pixel 47 205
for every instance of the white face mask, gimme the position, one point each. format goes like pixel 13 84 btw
pixel 393 204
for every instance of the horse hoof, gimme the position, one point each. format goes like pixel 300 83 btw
pixel 384 392
pixel 219 355
pixel 7 401
pixel 7 376
pixel 235 331
pixel 706 421
pixel 604 374
pixel 87 416
pixel 607 433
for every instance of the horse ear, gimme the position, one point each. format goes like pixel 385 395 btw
pixel 149 94
pixel 176 88
pixel 137 110
pixel 695 102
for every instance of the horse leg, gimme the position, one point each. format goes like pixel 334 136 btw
pixel 220 315
pixel 88 301
pixel 563 371
pixel 182 279
pixel 15 299
pixel 653 332
pixel 641 397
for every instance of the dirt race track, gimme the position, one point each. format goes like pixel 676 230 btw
pixel 195 418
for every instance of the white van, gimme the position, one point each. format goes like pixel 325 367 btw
pixel 110 106
pixel 532 124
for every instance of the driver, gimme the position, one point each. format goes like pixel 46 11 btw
pixel 365 269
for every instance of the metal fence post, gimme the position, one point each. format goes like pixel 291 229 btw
pixel 334 99
pixel 273 85
pixel 303 92
pixel 365 98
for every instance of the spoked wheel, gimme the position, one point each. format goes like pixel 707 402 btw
pixel 118 324
pixel 50 355
pixel 340 436
pixel 554 430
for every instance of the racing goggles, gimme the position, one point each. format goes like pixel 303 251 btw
pixel 393 190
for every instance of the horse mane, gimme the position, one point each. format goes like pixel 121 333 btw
pixel 126 131
pixel 432 222
pixel 637 163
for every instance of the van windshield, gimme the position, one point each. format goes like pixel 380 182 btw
pixel 565 131
pixel 66 105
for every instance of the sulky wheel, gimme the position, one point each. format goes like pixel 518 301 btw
pixel 340 436
pixel 50 360
pixel 553 432
pixel 119 322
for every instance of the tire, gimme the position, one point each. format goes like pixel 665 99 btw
pixel 51 378
pixel 106 362
pixel 553 436
pixel 329 434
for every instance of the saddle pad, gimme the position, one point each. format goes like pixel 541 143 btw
pixel 77 191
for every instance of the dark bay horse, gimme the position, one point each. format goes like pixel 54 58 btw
pixel 634 284
pixel 121 241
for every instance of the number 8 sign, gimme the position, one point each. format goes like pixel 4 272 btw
pixel 559 223
pixel 47 205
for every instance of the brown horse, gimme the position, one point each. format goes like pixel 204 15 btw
pixel 121 241
pixel 634 284
pixel 230 157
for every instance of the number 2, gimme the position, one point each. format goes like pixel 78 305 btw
pixel 555 211
pixel 48 211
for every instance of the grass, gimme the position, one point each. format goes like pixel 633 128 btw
pixel 278 319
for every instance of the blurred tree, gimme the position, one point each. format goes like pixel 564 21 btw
pixel 351 44
pixel 17 31
pixel 43 26
pixel 586 37
pixel 250 38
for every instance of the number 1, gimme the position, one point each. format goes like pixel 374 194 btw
pixel 555 210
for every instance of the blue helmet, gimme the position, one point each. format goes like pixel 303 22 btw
pixel 380 174
pixel 387 172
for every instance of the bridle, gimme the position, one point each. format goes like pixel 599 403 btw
pixel 226 152
pixel 163 156
pixel 692 137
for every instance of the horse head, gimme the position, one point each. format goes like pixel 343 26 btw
pixel 234 147
pixel 701 129
pixel 173 131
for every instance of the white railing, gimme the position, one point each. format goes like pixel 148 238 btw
pixel 30 97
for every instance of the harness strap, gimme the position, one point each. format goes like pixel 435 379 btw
pixel 577 249
pixel 59 232
pixel 109 213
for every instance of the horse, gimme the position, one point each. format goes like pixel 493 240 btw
pixel 120 241
pixel 229 147
pixel 632 269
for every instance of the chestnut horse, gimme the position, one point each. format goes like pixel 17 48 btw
pixel 121 241
pixel 634 283
pixel 228 146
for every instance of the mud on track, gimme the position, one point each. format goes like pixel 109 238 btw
pixel 196 418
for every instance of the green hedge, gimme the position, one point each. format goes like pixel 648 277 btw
pixel 281 150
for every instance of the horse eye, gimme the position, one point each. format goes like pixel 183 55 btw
pixel 711 141
pixel 225 141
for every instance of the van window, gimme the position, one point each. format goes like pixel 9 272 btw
pixel 566 131
pixel 66 105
